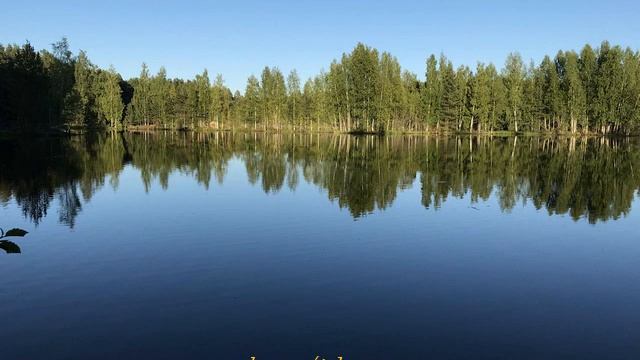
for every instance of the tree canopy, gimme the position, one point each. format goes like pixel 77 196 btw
pixel 596 90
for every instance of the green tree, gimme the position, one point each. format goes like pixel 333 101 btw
pixel 160 95
pixel 338 93
pixel 513 80
pixel 252 100
pixel 294 95
pixel 278 95
pixel 202 95
pixel 575 93
pixel 391 90
pixel 110 100
pixel 480 98
pixel 220 100
pixel 141 103
pixel 273 96
pixel 86 88
pixel 449 100
pixel 431 93
pixel 609 80
pixel 498 106
pixel 588 67
pixel 364 86
pixel 60 68
pixel 552 99
pixel 412 108
pixel 462 98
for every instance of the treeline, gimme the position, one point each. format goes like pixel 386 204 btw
pixel 593 91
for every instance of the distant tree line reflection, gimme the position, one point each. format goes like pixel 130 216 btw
pixel 592 178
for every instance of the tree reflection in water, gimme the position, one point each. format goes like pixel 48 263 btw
pixel 591 178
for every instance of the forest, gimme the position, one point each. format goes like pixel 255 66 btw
pixel 594 91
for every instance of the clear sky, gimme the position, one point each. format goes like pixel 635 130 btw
pixel 238 38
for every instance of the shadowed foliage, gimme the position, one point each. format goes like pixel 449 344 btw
pixel 9 246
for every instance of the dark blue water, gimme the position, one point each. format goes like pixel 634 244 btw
pixel 292 248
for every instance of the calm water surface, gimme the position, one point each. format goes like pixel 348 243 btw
pixel 220 246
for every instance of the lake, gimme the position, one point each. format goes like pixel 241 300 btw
pixel 225 246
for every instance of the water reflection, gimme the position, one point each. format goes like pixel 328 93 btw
pixel 586 178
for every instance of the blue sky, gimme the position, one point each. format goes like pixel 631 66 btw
pixel 238 38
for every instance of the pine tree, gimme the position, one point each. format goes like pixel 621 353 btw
pixel 529 116
pixel 449 104
pixel 278 95
pixel 159 97
pixel 480 98
pixel 462 98
pixel 218 101
pixel 252 100
pixel 431 93
pixel 498 98
pixel 203 96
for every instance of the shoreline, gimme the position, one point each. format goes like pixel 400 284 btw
pixel 82 130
